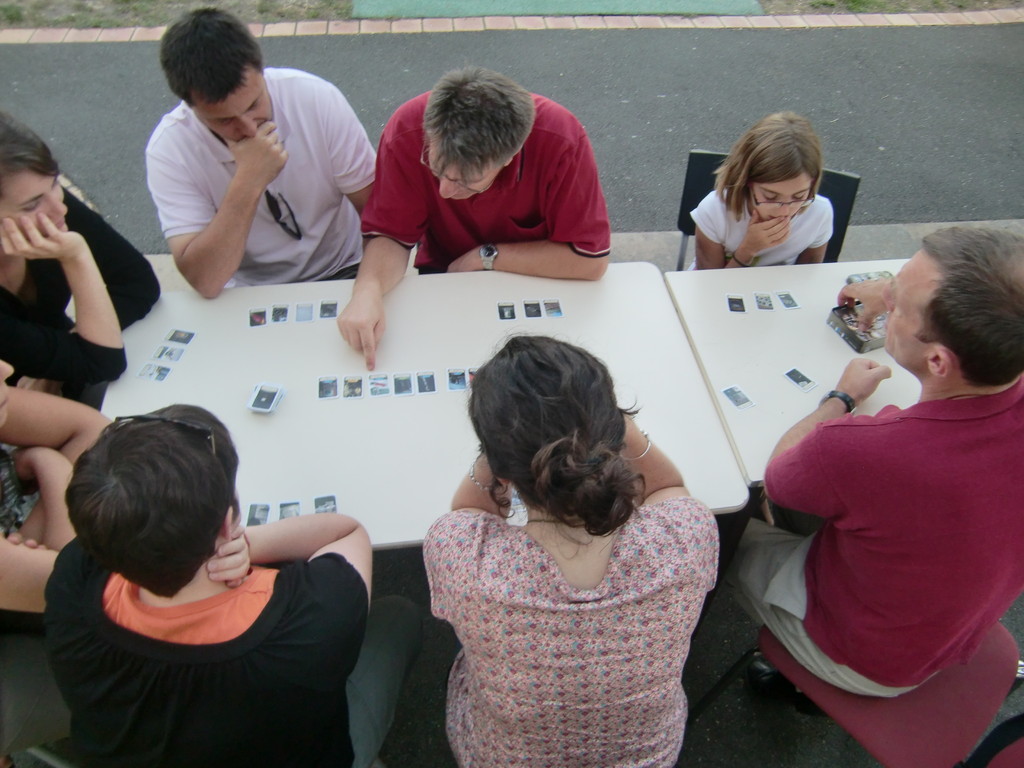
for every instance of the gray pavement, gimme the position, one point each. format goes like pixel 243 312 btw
pixel 930 117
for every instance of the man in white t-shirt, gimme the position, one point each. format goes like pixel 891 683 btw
pixel 259 176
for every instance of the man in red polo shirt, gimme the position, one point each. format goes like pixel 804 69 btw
pixel 481 175
pixel 917 511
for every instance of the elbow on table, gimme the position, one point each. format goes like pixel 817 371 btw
pixel 595 268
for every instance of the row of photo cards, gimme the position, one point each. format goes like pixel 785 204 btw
pixel 762 300
pixel 531 308
pixel 260 513
pixel 305 312
pixel 386 385
pixel 171 352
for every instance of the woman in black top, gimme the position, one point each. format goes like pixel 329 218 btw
pixel 53 248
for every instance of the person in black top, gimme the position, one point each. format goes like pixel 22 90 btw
pixel 54 248
pixel 162 666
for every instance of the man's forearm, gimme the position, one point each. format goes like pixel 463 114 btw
pixel 384 264
pixel 211 257
pixel 543 258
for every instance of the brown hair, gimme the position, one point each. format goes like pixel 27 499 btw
pixel 548 422
pixel 21 149
pixel 778 147
pixel 977 311
pixel 148 499
pixel 476 118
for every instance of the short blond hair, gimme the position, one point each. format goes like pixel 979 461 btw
pixel 778 147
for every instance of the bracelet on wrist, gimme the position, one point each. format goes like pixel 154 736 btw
pixel 846 400
pixel 730 255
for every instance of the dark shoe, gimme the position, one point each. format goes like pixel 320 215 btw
pixel 765 680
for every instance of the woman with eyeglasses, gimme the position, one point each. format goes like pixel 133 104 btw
pixel 765 209
pixel 53 248
pixel 575 626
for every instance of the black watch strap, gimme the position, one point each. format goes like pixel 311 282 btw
pixel 847 400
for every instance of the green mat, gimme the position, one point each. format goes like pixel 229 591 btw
pixel 417 9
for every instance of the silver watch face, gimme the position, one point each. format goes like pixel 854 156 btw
pixel 488 253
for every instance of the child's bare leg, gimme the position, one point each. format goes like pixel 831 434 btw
pixel 48 522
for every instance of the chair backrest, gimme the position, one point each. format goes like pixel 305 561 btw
pixel 838 186
pixel 841 190
pixel 932 726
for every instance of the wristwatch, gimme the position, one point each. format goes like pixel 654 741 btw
pixel 848 401
pixel 488 253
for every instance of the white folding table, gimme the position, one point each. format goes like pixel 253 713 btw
pixel 754 349
pixel 394 462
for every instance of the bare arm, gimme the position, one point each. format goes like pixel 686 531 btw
pixel 860 379
pixel 309 536
pixel 708 254
pixel 469 495
pixel 662 480
pixel 37 237
pixel 359 197
pixel 812 255
pixel 362 322
pixel 541 258
pixel 209 258
pixel 39 419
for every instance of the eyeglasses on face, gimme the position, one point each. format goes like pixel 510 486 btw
pixel 778 205
pixel 425 161
pixel 153 418
pixel 286 220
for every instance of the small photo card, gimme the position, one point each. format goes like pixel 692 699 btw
pixel 764 301
pixel 787 300
pixel 181 337
pixel 154 372
pixel 552 307
pixel 304 313
pixel 257 317
pixel 352 387
pixel 325 505
pixel 457 380
pixel 800 380
pixel 328 308
pixel 532 309
pixel 737 397
pixel 379 386
pixel 169 353
pixel 735 302
pixel 425 382
pixel 279 313
pixel 290 509
pixel 403 384
pixel 258 514
pixel 506 311
pixel 327 387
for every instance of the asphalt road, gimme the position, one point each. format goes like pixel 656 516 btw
pixel 930 117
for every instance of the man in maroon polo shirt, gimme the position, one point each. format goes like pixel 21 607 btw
pixel 481 175
pixel 918 510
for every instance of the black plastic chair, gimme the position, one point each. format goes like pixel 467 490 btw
pixel 838 186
